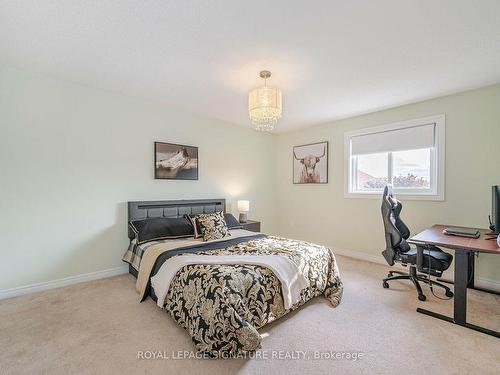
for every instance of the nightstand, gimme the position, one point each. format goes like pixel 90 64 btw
pixel 251 225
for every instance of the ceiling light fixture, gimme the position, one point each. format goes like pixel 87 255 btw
pixel 264 105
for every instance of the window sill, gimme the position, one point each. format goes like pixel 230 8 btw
pixel 400 196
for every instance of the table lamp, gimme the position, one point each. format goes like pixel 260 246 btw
pixel 243 208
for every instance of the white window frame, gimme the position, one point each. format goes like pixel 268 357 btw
pixel 436 192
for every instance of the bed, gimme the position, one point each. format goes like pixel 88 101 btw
pixel 222 291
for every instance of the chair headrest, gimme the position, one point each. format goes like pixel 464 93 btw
pixel 389 196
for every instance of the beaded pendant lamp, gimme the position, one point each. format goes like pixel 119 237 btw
pixel 264 105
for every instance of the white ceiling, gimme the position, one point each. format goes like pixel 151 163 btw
pixel 332 59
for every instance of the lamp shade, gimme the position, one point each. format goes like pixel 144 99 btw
pixel 243 206
pixel 264 105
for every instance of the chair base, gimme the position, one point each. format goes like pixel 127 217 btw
pixel 415 278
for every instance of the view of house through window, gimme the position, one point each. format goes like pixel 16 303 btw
pixel 408 169
pixel 372 171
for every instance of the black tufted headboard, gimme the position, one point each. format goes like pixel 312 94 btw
pixel 145 209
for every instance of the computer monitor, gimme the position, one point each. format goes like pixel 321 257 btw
pixel 495 209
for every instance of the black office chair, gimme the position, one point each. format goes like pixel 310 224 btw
pixel 429 260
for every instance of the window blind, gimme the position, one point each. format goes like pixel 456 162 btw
pixel 410 138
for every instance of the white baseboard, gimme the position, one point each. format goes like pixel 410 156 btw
pixel 487 283
pixel 379 259
pixel 480 282
pixel 38 287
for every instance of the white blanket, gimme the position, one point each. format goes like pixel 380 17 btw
pixel 292 280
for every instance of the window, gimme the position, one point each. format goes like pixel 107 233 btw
pixel 409 155
pixel 372 173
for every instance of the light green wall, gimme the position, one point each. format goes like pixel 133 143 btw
pixel 72 156
pixel 320 213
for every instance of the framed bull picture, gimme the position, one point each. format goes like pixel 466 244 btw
pixel 310 163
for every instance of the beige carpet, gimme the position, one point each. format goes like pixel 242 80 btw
pixel 99 327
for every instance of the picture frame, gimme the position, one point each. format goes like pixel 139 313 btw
pixel 310 163
pixel 174 161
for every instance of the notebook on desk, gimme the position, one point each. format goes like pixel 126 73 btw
pixel 462 232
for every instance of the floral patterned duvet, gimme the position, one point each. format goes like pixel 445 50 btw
pixel 223 306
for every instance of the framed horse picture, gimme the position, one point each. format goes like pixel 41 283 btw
pixel 310 163
pixel 175 162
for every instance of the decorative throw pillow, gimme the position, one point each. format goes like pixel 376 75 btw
pixel 161 228
pixel 196 225
pixel 232 222
pixel 212 226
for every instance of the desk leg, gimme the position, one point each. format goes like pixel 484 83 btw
pixel 460 298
